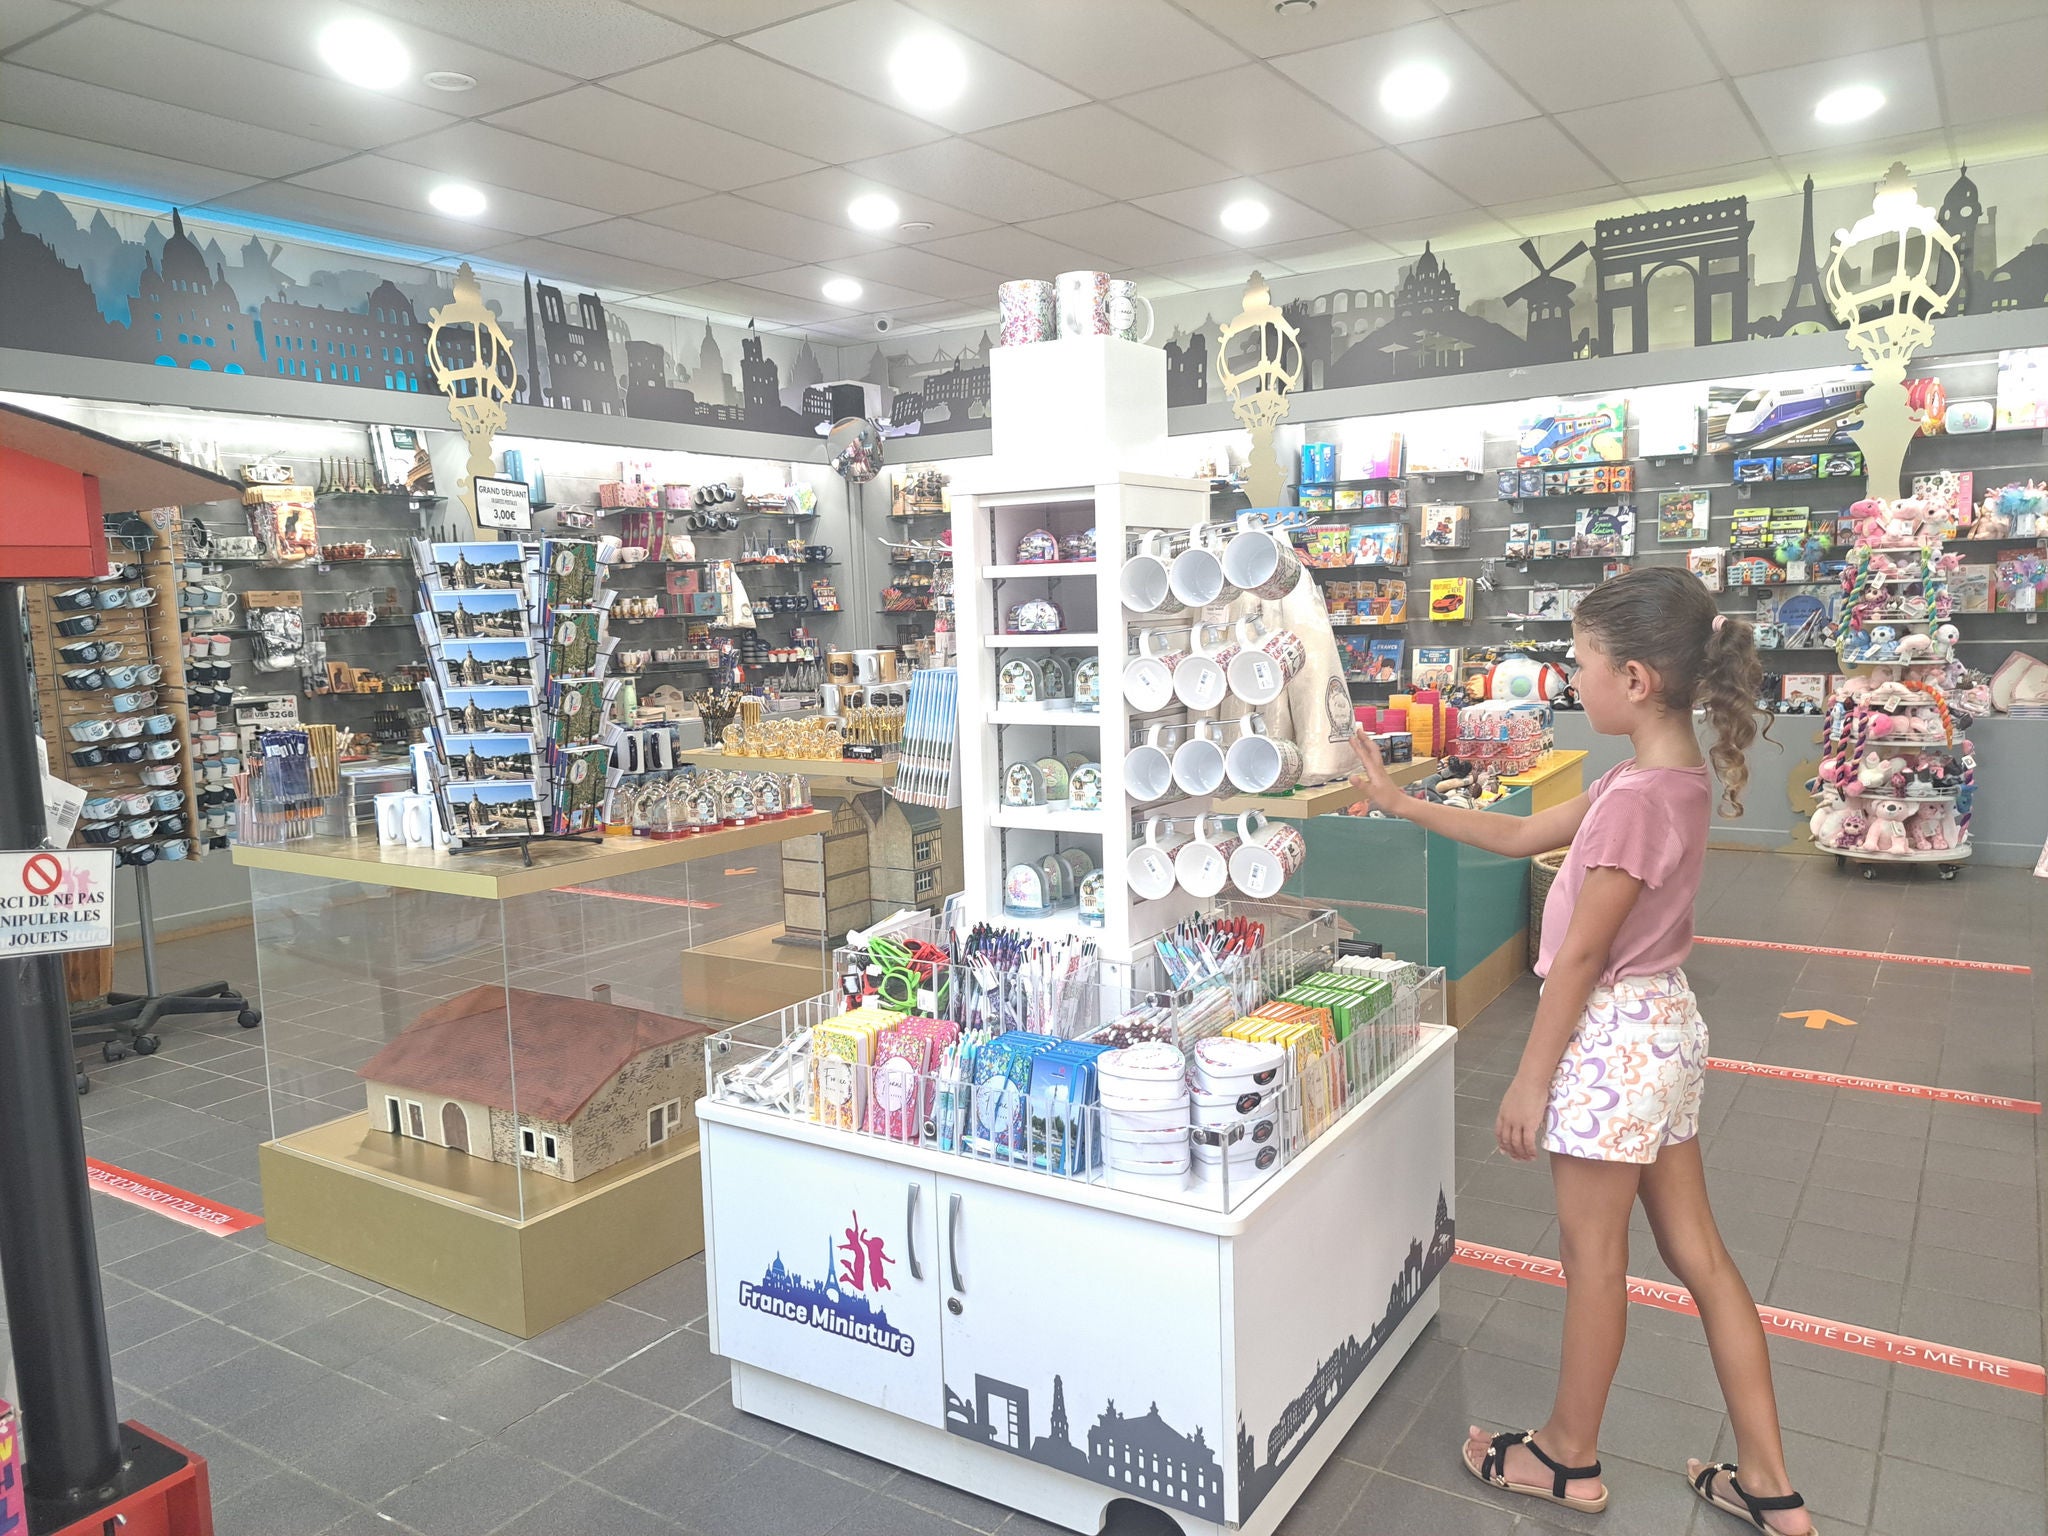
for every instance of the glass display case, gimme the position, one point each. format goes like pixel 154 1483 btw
pixel 482 1074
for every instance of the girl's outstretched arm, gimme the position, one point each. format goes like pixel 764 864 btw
pixel 1604 903
pixel 1513 837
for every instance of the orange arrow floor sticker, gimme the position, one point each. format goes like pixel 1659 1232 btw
pixel 1819 1018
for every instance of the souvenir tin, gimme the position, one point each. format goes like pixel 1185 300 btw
pixel 1024 892
pixel 1094 893
pixel 1023 784
pixel 1056 678
pixel 1054 780
pixel 1078 547
pixel 1038 547
pixel 1018 682
pixel 1036 617
pixel 1088 683
pixel 1084 787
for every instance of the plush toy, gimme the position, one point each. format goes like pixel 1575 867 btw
pixel 1909 520
pixel 1887 831
pixel 1918 647
pixel 1869 520
pixel 1874 772
pixel 1921 829
pixel 1948 635
pixel 1826 822
pixel 1881 644
pixel 1850 833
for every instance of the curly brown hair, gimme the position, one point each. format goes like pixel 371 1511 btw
pixel 1664 618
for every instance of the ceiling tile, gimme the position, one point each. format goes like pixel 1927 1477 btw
pixel 1694 130
pixel 657 246
pixel 553 262
pixel 1986 75
pixel 1864 165
pixel 482 152
pixel 1102 50
pixel 1450 232
pixel 280 34
pixel 1348 75
pixel 1099 147
pixel 824 194
pixel 738 303
pixel 25 18
pixel 376 221
pixel 1509 162
pixel 853 42
pixel 777 104
pixel 918 270
pixel 1329 253
pixel 759 227
pixel 730 18
pixel 50 102
pixel 1211 272
pixel 1570 210
pixel 1197 207
pixel 1257 29
pixel 1130 236
pixel 398 185
pixel 585 38
pixel 805 282
pixel 1748 35
pixel 107 51
pixel 1577 53
pixel 1782 100
pixel 1010 252
pixel 1249 118
pixel 1950 19
pixel 1362 191
pixel 108 165
pixel 1753 178
pixel 592 119
pixel 969 176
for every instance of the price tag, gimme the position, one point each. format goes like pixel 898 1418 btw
pixel 53 901
pixel 502 503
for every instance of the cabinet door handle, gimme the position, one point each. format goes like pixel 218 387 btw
pixel 910 1231
pixel 953 1241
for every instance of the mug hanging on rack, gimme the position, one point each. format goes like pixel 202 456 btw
pixel 1149 867
pixel 1261 562
pixel 1146 581
pixel 1197 577
pixel 1259 764
pixel 1269 854
pixel 1203 866
pixel 1148 676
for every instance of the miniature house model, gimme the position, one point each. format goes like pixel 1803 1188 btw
pixel 597 1083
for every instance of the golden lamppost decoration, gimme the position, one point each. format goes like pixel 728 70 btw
pixel 1259 389
pixel 1891 317
pixel 472 361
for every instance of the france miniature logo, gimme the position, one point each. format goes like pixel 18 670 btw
pixel 842 1303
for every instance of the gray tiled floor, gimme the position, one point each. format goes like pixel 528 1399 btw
pixel 329 1404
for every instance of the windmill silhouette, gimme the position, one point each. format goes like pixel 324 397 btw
pixel 1549 299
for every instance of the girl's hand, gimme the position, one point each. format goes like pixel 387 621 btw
pixel 1518 1128
pixel 1381 792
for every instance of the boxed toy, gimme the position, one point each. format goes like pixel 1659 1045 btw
pixel 1379 544
pixel 1518 541
pixel 1547 602
pixel 1681 517
pixel 1436 666
pixel 1450 598
pixel 1604 531
pixel 1969 588
pixel 1708 564
pixel 1805 688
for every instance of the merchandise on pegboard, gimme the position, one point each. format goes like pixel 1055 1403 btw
pixel 1897 777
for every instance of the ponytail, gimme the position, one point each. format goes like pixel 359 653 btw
pixel 1663 617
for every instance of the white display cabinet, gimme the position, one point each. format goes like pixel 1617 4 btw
pixel 1060 1345
pixel 988 525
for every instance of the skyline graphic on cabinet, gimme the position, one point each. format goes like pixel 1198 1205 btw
pixel 836 1305
pixel 1340 1369
pixel 1140 1455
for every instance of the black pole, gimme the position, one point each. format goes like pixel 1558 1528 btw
pixel 55 1315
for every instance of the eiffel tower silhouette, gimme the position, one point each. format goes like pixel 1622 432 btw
pixel 1805 305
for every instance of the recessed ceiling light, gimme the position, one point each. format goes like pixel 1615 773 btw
pixel 1244 215
pixel 1850 104
pixel 929 71
pixel 915 227
pixel 873 210
pixel 1293 7
pixel 457 199
pixel 448 80
pixel 364 52
pixel 841 290
pixel 1414 89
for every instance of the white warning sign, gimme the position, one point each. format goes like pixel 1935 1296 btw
pixel 55 901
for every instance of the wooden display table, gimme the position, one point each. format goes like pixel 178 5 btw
pixel 1559 777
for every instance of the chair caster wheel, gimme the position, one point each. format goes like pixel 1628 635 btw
pixel 1870 871
pixel 249 1018
pixel 113 1051
pixel 84 1085
pixel 148 1045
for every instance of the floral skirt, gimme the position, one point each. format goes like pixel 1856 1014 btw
pixel 1630 1080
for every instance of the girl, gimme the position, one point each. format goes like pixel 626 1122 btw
pixel 1611 1076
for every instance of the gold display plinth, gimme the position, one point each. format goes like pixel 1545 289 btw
pixel 426 1221
pixel 730 981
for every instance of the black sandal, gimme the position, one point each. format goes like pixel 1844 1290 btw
pixel 1492 1470
pixel 1752 1508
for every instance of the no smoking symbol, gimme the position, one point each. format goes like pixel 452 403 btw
pixel 42 874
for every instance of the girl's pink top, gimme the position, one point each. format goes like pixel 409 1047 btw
pixel 1650 823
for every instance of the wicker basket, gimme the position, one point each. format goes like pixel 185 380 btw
pixel 1543 870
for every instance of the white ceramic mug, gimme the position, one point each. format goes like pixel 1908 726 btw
pixel 1203 681
pixel 1123 303
pixel 1145 583
pixel 420 822
pixel 1197 576
pixel 1259 674
pixel 1083 299
pixel 1148 676
pixel 1202 867
pixel 1148 767
pixel 1269 854
pixel 391 819
pixel 1149 868
pixel 1261 561
pixel 1198 761
pixel 1259 764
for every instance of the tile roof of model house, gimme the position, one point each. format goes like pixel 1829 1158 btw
pixel 563 1048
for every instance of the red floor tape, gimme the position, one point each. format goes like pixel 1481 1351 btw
pixel 1876 1085
pixel 658 901
pixel 1872 954
pixel 168 1200
pixel 1870 1342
